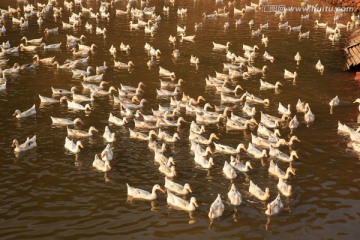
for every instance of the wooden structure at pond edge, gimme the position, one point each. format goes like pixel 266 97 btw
pixel 352 51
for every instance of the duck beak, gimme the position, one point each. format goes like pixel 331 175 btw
pixel 162 190
pixel 196 204
pixel 190 190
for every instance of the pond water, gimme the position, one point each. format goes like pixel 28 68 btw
pixel 50 193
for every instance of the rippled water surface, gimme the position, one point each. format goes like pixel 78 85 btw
pixel 49 193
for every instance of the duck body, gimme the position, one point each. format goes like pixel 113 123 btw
pixel 27 145
pixel 216 208
pixel 101 165
pixel 142 194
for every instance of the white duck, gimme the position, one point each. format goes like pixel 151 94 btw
pixel 218 46
pixel 320 67
pixel 258 193
pixel 276 153
pixel 227 149
pixel 203 140
pixel 71 146
pixel 142 194
pixel 267 85
pixel 262 130
pixel 334 102
pixel 274 207
pixel 294 123
pixel 80 133
pixel 234 196
pixel 284 188
pixel 357 101
pixel 267 56
pixel 199 159
pixel 297 58
pixel 216 208
pixel 100 164
pixel 275 170
pixel 165 73
pixel 229 171
pixel 180 203
pixel 235 163
pixel 117 121
pixel 256 152
pixel 301 106
pixel 108 135
pixel 44 99
pixel 142 136
pixel 65 121
pixel 177 188
pixel 107 154
pixel 31 111
pixel 169 172
pixel 309 116
pixel 284 110
pixel 77 106
pixel 288 74
pixel 27 145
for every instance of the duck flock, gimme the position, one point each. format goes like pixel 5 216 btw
pixel 237 110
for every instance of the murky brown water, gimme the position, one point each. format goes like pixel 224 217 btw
pixel 47 193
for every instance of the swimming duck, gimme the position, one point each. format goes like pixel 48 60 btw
pixel 117 121
pixel 216 208
pixel 283 25
pixel 165 73
pixel 46 61
pixel 65 121
pixel 194 60
pixel 297 58
pixel 266 143
pixel 100 164
pixel 265 40
pixel 309 116
pixel 274 207
pixel 108 135
pixel 36 41
pixel 107 154
pixel 31 111
pixel 168 171
pixel 235 163
pixel 204 163
pixel 248 110
pixel 256 152
pixel 197 148
pixel 72 146
pixel 344 128
pixel 218 46
pixel 80 133
pixel 234 196
pixel 142 194
pixel 76 106
pixel 295 28
pixel 227 149
pixel 276 153
pixel 167 137
pixel 122 65
pixel 187 38
pixel 275 170
pixel 142 136
pixel 262 130
pixel 319 67
pixel 229 171
pixel 294 123
pixel 284 110
pixel 224 89
pixel 334 102
pixel 267 85
pixel 267 56
pixel 51 100
pixel 250 98
pixel 27 145
pixel 320 25
pixel 146 125
pixel 180 203
pixel 288 74
pixel 180 29
pixel 301 106
pixel 284 188
pixel 258 193
pixel 177 188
